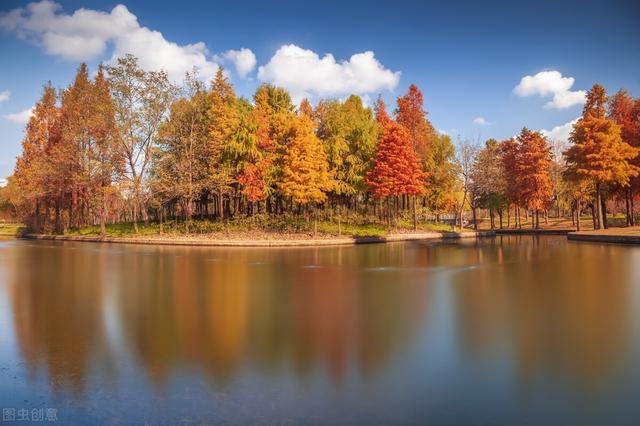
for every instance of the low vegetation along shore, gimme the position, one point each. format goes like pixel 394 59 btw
pixel 256 228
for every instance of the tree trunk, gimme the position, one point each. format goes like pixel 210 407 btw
pixel 103 213
pixel 135 216
pixel 220 206
pixel 415 217
pixel 58 220
pixel 603 206
pixel 315 221
pixel 475 222
pixel 598 207
pixel 633 218
pixel 628 205
pixel 578 215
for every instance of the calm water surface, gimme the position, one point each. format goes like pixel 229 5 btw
pixel 516 330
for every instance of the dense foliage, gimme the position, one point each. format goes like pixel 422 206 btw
pixel 129 145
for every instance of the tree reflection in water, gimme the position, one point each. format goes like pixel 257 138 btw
pixel 384 333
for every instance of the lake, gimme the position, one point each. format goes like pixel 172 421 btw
pixel 511 330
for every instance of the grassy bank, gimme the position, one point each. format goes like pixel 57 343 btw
pixel 261 227
pixel 10 229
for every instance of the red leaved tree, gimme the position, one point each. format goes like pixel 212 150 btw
pixel 396 170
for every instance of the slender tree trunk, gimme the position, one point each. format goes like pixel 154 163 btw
pixel 415 214
pixel 315 221
pixel 103 213
pixel 633 217
pixel 578 215
pixel 603 206
pixel 598 207
pixel 475 221
pixel 58 220
pixel 220 206
pixel 626 202
pixel 135 216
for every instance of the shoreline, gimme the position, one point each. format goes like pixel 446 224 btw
pixel 533 231
pixel 300 242
pixel 605 236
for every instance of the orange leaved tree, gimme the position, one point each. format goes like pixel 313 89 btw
pixel 534 172
pixel 598 151
pixel 305 169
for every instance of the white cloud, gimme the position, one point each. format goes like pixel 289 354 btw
pixel 86 34
pixel 547 83
pixel 304 73
pixel 21 117
pixel 243 60
pixel 481 121
pixel 560 133
pixel 5 95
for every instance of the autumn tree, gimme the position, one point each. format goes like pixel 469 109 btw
pixel 466 154
pixel 396 169
pixel 305 170
pixel 223 120
pixel 534 167
pixel 349 132
pixel 410 113
pixel 598 151
pixel 180 167
pixel 76 112
pixel 35 167
pixel 488 186
pixel 509 159
pixel 141 100
pixel 106 156
pixel 625 111
pixel 88 150
pixel 442 176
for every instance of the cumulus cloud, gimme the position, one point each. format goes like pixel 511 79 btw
pixel 481 121
pixel 87 34
pixel 548 83
pixel 5 95
pixel 560 133
pixel 244 60
pixel 21 117
pixel 304 73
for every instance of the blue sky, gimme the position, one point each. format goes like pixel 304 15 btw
pixel 469 58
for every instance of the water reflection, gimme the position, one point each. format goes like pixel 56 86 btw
pixel 215 310
pixel 368 320
pixel 564 309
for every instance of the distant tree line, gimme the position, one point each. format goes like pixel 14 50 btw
pixel 129 145
pixel 602 162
